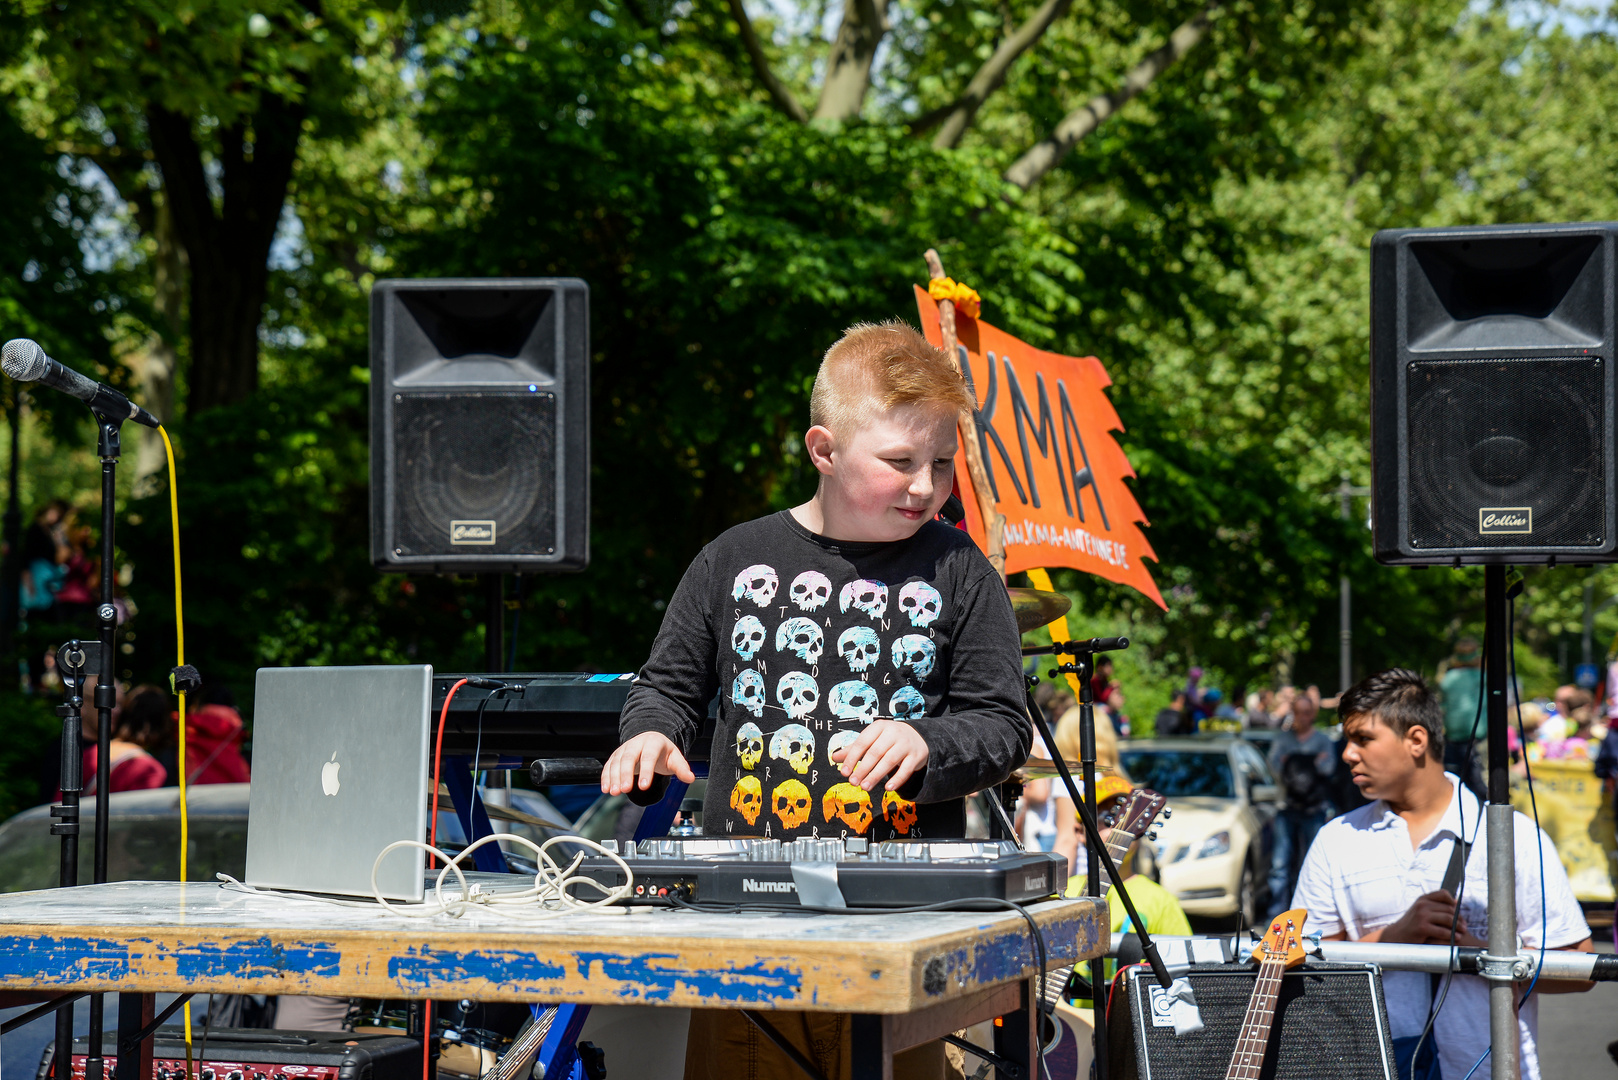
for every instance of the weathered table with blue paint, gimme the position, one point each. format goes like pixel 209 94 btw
pixel 908 977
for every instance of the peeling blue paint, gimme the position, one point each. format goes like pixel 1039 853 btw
pixel 657 976
pixel 256 959
pixel 49 960
pixel 1001 958
pixel 1008 953
pixel 424 968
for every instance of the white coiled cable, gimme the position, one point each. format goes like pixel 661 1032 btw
pixel 547 898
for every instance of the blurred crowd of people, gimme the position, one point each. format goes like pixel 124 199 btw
pixel 144 748
pixel 60 578
pixel 1569 727
pixel 1314 783
pixel 59 588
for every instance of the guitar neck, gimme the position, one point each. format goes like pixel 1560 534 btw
pixel 1119 853
pixel 1056 980
pixel 1248 1057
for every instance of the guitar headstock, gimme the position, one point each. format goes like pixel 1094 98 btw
pixel 1136 815
pixel 1283 941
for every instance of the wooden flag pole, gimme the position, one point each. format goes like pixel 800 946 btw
pixel 994 522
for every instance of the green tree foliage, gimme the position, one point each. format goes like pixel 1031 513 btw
pixel 734 207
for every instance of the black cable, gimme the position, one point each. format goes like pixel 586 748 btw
pixel 207 1022
pixel 1533 803
pixel 1435 1003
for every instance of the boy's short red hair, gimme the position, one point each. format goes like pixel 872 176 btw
pixel 874 367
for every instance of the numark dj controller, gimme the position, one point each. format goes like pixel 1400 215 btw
pixel 864 874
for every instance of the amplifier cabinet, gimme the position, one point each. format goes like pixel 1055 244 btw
pixel 260 1054
pixel 1331 1023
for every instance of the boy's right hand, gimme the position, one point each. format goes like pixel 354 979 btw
pixel 634 764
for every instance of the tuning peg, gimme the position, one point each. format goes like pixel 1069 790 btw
pixel 1167 813
pixel 1151 836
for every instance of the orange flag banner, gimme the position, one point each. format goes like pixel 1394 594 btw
pixel 1044 427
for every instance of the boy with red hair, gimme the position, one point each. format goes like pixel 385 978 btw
pixel 865 656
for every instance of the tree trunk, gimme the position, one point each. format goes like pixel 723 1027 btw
pixel 227 247
pixel 1043 157
pixel 848 68
pixel 156 363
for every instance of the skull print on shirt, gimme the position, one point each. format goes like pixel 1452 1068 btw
pixel 810 590
pixel 747 636
pixel 813 674
pixel 756 583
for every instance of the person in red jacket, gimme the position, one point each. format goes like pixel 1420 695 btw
pixel 133 767
pixel 213 739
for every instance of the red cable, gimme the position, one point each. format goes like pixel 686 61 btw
pixel 438 759
pixel 1114 985
pixel 426 1038
pixel 432 861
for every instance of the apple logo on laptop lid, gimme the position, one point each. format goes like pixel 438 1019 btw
pixel 328 775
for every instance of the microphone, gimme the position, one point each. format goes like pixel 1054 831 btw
pixel 25 361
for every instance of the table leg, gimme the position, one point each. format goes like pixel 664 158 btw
pixel 1016 1037
pixel 63 1066
pixel 135 1011
pixel 872 1057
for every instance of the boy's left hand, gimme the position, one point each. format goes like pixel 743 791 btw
pixel 885 746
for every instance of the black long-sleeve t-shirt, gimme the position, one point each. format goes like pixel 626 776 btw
pixel 806 640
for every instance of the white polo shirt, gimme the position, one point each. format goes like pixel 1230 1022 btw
pixel 1361 874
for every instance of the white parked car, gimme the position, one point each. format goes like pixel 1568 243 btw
pixel 1213 854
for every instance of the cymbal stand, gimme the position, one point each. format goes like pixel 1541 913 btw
pixel 1082 667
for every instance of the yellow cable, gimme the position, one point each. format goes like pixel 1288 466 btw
pixel 179 645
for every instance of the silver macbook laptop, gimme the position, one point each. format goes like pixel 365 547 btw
pixel 339 773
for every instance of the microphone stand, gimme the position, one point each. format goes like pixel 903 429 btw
pixel 1083 653
pixel 74 659
pixel 109 448
pixel 71 664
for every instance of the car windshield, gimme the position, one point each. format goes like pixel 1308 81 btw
pixel 1181 772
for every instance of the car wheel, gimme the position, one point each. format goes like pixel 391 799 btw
pixel 1247 897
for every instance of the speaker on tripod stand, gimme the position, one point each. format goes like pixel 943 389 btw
pixel 1492 391
pixel 480 425
pixel 480 431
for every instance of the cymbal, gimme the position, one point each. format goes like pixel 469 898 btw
pixel 1034 608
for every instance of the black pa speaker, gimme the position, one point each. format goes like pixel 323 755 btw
pixel 1492 356
pixel 480 425
pixel 1331 1023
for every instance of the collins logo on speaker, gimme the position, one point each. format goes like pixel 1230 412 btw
pixel 1496 520
pixel 471 532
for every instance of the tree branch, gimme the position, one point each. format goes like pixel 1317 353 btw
pixel 992 74
pixel 1040 159
pixel 761 66
pixel 932 118
pixel 848 68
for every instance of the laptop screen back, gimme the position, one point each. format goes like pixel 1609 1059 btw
pixel 339 773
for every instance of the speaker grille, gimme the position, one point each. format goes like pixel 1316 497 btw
pixel 475 458
pixel 1506 453
pixel 1328 1026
